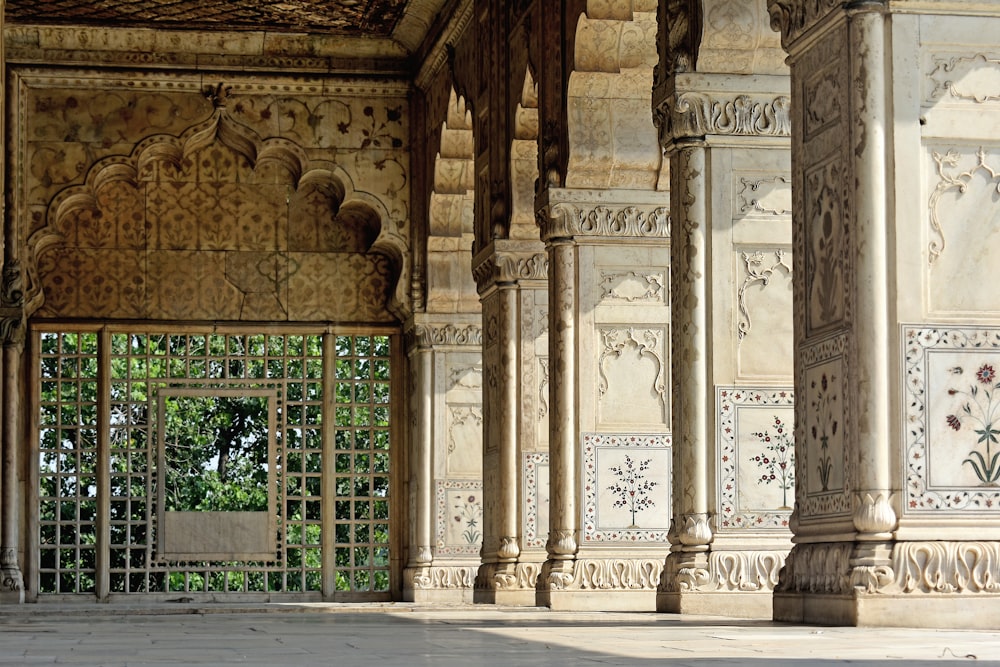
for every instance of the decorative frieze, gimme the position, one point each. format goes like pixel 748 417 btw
pixel 730 571
pixel 426 335
pixel 508 577
pixel 504 266
pixel 566 220
pixel 615 574
pixel 445 578
pixel 698 114
pixel 947 567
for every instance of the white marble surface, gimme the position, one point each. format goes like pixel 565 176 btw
pixel 320 634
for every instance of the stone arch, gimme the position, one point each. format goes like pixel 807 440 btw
pixel 215 224
pixel 612 140
pixel 450 287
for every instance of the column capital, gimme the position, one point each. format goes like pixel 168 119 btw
pixel 12 315
pixel 573 213
pixel 505 261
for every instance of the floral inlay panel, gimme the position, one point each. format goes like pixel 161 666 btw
pixel 952 419
pixel 459 517
pixel 823 468
pixel 536 499
pixel 627 492
pixel 756 461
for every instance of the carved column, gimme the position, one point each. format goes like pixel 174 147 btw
pixel 691 533
pixel 445 465
pixel 609 437
pixel 12 336
pixel 895 162
pixel 721 105
pixel 512 282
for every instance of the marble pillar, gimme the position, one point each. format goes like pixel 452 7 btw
pixel 512 278
pixel 723 114
pixel 12 588
pixel 445 496
pixel 609 424
pixel 895 157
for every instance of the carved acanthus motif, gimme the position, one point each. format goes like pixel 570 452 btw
pixel 794 17
pixel 568 220
pixel 758 271
pixel 506 267
pixel 730 571
pixel 508 576
pixel 817 568
pixel 947 567
pixel 616 574
pixel 12 310
pixel 11 579
pixel 562 543
pixel 427 335
pixel 698 114
pixel 446 578
pixel 957 182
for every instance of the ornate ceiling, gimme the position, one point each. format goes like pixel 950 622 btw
pixel 354 35
pixel 369 17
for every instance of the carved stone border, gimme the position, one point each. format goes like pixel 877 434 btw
pixel 591 443
pixel 918 344
pixel 729 400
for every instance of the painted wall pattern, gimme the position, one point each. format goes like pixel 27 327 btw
pixel 952 427
pixel 627 487
pixel 756 464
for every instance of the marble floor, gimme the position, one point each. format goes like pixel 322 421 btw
pixel 411 636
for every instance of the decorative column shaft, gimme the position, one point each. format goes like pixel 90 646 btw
pixel 690 346
pixel 422 369
pixel 873 516
pixel 563 532
pixel 12 332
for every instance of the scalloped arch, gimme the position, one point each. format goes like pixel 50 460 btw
pixel 282 163
pixel 612 140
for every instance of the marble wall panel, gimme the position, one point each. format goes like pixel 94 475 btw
pixel 627 488
pixel 952 454
pixel 459 517
pixel 755 463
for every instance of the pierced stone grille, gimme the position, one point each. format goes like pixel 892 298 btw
pixel 101 399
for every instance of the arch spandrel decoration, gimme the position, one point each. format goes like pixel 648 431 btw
pixel 524 162
pixel 216 224
pixel 609 122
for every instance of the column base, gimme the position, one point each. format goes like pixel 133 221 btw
pixel 975 611
pixel 507 584
pixel 736 605
pixel 11 586
pixel 437 584
pixel 600 584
